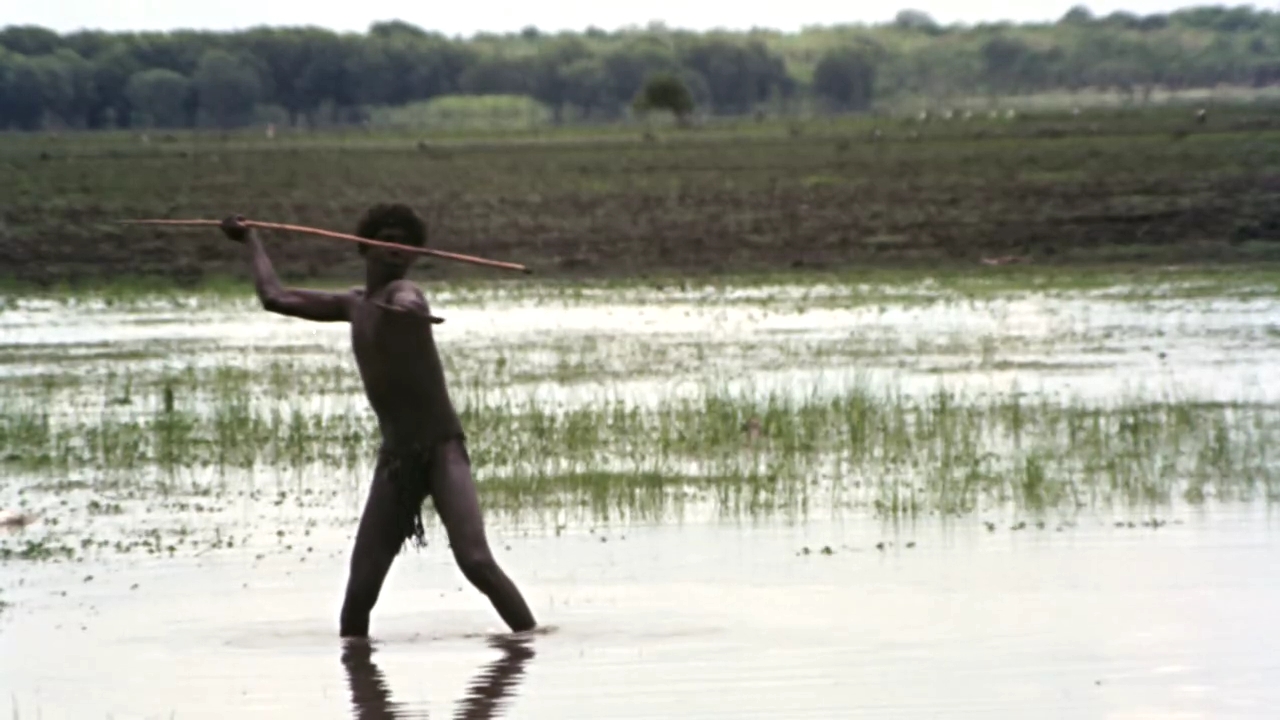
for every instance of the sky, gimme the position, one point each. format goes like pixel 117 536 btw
pixel 470 16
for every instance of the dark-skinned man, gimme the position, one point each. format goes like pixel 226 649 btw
pixel 423 450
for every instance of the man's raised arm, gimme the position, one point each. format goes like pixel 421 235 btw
pixel 305 304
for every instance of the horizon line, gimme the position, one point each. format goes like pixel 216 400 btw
pixel 654 25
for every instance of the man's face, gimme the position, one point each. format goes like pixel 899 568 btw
pixel 402 259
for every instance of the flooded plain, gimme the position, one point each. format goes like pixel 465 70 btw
pixel 906 499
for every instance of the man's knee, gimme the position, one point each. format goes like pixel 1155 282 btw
pixel 478 565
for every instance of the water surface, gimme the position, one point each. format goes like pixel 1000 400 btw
pixel 213 592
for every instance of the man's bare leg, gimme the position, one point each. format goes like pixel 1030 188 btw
pixel 454 493
pixel 378 540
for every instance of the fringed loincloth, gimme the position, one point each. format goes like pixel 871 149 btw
pixel 409 470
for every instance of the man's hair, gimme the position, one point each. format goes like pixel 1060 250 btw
pixel 392 222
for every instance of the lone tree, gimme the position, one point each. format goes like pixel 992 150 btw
pixel 159 97
pixel 846 78
pixel 665 91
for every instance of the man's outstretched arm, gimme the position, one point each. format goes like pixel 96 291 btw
pixel 305 304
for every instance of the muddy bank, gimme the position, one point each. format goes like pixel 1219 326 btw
pixel 829 198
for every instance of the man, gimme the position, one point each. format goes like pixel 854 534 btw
pixel 423 446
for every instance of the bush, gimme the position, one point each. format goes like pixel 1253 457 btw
pixel 665 92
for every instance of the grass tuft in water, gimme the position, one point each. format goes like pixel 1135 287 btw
pixel 747 452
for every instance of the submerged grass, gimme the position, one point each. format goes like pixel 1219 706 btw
pixel 160 442
pixel 752 452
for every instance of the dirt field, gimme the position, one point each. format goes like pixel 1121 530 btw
pixel 1099 187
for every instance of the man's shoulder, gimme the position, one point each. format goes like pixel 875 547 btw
pixel 403 285
pixel 403 294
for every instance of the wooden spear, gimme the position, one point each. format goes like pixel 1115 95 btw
pixel 343 236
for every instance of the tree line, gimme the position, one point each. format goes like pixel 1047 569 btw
pixel 95 79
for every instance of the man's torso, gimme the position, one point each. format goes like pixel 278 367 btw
pixel 402 374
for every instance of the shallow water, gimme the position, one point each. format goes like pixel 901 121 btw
pixel 1086 344
pixel 226 604
pixel 687 621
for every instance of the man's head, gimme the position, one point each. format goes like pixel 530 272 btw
pixel 393 223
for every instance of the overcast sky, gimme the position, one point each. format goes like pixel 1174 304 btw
pixel 469 16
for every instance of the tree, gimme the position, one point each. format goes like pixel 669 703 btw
pixel 1220 18
pixel 33 88
pixel 78 106
pixel 285 57
pixel 29 40
pixel 329 75
pixel 80 78
pixel 58 85
pixel 1078 15
pixel 739 75
pixel 227 88
pixel 406 68
pixel 159 97
pixel 916 20
pixel 111 71
pixel 846 77
pixel 628 66
pixel 1123 20
pixel 587 86
pixel 665 92
pixel 1002 59
pixel 550 84
pixel 6 72
pixel 393 28
pixel 179 51
pixel 89 44
pixel 498 76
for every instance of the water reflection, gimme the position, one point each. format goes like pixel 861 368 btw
pixel 371 698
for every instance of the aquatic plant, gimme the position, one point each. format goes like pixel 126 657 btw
pixel 898 454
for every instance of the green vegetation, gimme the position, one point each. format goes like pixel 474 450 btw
pixel 170 446
pixel 466 113
pixel 308 75
pixel 941 453
pixel 665 92
pixel 846 78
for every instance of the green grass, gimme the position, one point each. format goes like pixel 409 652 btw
pixel 462 112
pixel 899 455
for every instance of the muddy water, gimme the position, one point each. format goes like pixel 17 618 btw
pixel 694 621
pixel 699 618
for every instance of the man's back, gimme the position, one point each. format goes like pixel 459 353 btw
pixel 400 366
